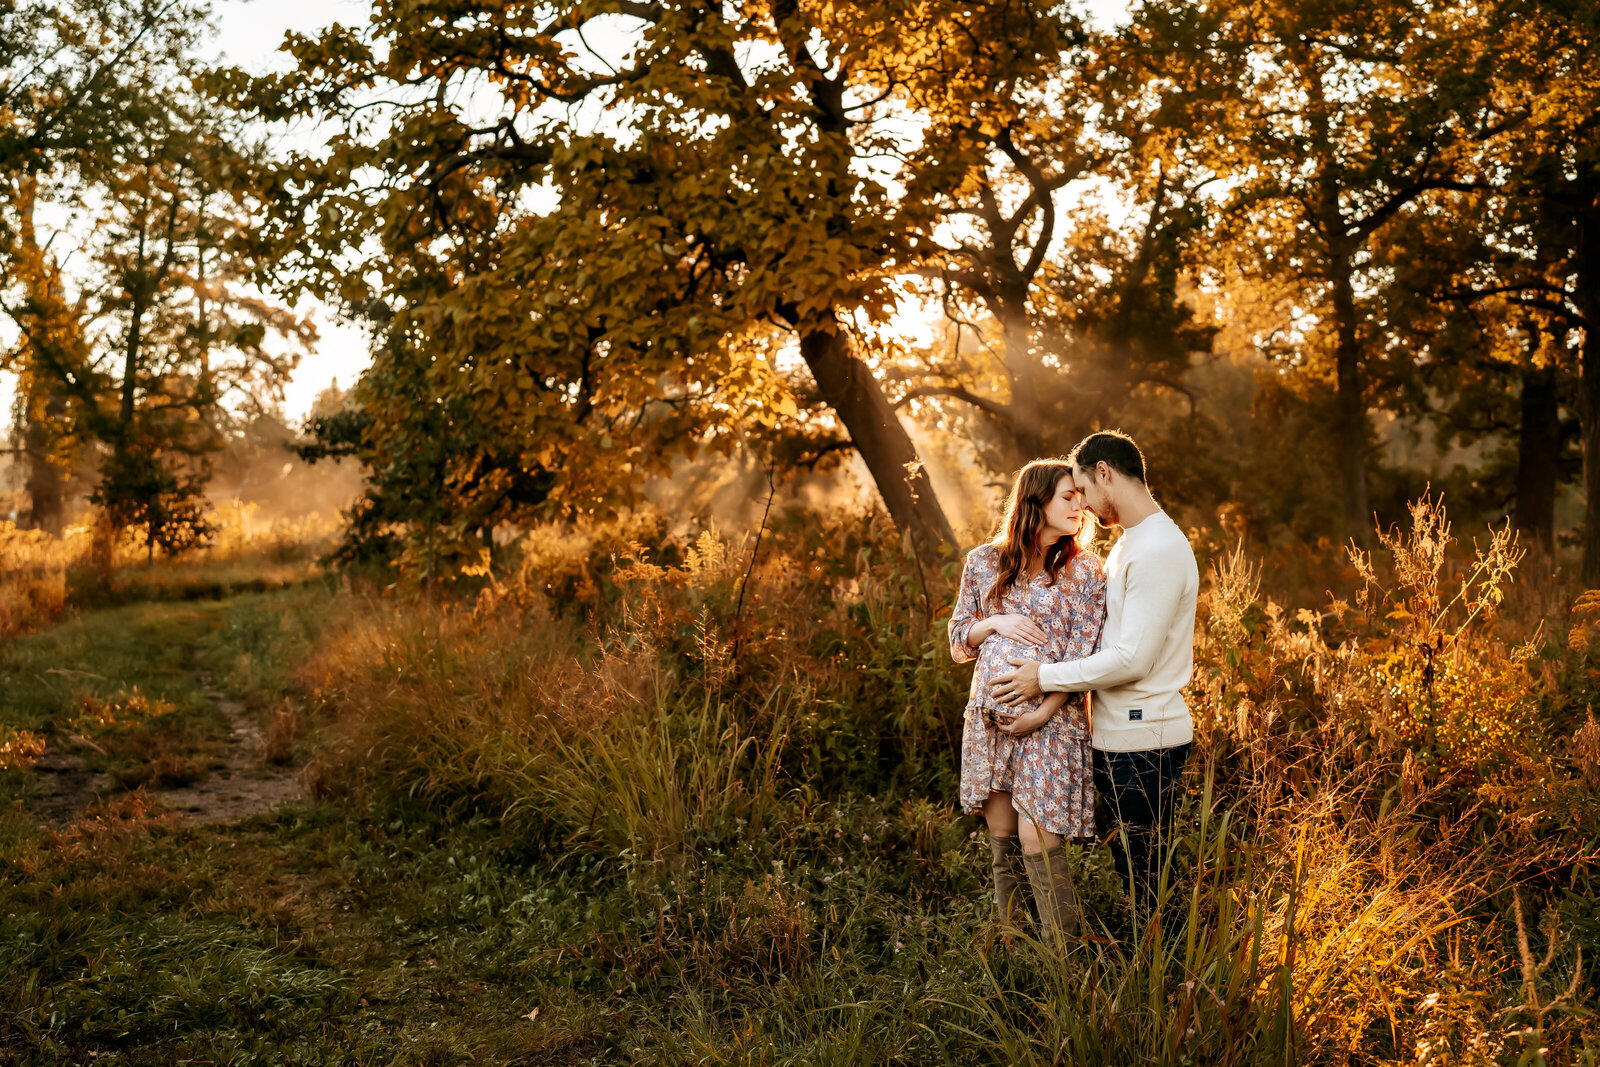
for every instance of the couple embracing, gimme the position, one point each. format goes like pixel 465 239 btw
pixel 1050 624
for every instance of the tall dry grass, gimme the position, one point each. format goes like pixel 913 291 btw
pixel 41 574
pixel 33 574
pixel 1385 787
pixel 513 711
pixel 1308 937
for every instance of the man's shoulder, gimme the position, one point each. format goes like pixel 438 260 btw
pixel 1165 543
pixel 1167 535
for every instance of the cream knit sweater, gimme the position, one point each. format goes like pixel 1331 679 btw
pixel 1147 647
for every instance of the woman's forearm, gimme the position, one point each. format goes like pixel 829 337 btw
pixel 980 630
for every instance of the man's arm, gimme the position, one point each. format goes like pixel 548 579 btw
pixel 1154 591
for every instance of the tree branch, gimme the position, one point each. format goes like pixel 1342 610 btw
pixel 957 392
pixel 1558 308
pixel 825 449
pixel 1040 188
pixel 1403 196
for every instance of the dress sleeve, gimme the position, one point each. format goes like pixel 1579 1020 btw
pixel 969 607
pixel 1086 609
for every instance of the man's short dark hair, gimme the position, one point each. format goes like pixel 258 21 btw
pixel 1113 448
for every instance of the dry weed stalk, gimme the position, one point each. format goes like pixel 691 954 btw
pixel 1419 557
pixel 1585 749
pixel 1534 969
pixel 1235 588
pixel 1416 677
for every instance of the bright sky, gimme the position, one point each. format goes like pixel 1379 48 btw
pixel 248 35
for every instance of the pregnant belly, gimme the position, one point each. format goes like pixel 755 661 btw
pixel 997 649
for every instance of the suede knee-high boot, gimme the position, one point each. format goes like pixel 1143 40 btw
pixel 1053 892
pixel 1010 897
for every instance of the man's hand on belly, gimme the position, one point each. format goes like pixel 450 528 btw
pixel 1019 685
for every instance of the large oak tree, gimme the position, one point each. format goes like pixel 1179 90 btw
pixel 614 256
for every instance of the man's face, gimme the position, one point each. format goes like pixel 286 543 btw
pixel 1094 483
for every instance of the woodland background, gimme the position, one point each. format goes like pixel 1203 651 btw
pixel 613 714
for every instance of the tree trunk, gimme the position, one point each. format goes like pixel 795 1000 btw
pixel 130 363
pixel 47 504
pixel 1538 453
pixel 849 388
pixel 1027 391
pixel 47 501
pixel 1589 384
pixel 1587 297
pixel 1350 408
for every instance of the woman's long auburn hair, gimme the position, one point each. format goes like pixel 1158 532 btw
pixel 1023 523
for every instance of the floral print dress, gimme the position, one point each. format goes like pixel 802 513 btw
pixel 1049 772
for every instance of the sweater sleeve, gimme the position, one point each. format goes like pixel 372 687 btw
pixel 1153 590
pixel 968 609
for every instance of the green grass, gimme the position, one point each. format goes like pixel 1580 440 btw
pixel 126 687
pixel 842 932
pixel 316 938
pixel 531 864
pixel 156 648
pixel 148 647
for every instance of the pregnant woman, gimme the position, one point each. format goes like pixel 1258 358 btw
pixel 1036 591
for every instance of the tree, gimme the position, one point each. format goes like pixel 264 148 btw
pixel 1543 170
pixel 742 200
pixel 1490 369
pixel 50 338
pixel 73 92
pixel 142 347
pixel 74 79
pixel 1329 122
pixel 1000 225
pixel 190 336
pixel 412 445
pixel 1088 308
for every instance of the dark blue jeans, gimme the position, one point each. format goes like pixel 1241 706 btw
pixel 1137 794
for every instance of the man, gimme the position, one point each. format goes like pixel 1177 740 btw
pixel 1141 726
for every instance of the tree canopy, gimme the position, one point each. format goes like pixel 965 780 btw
pixel 591 239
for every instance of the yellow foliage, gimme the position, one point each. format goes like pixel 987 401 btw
pixel 19 748
pixel 1584 611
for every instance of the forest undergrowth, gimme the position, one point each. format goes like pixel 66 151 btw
pixel 644 798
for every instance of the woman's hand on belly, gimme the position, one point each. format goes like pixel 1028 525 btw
pixel 1017 627
pixel 1026 723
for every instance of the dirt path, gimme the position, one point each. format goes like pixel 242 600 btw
pixel 61 784
pixel 245 785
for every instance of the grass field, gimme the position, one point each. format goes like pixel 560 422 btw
pixel 593 814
